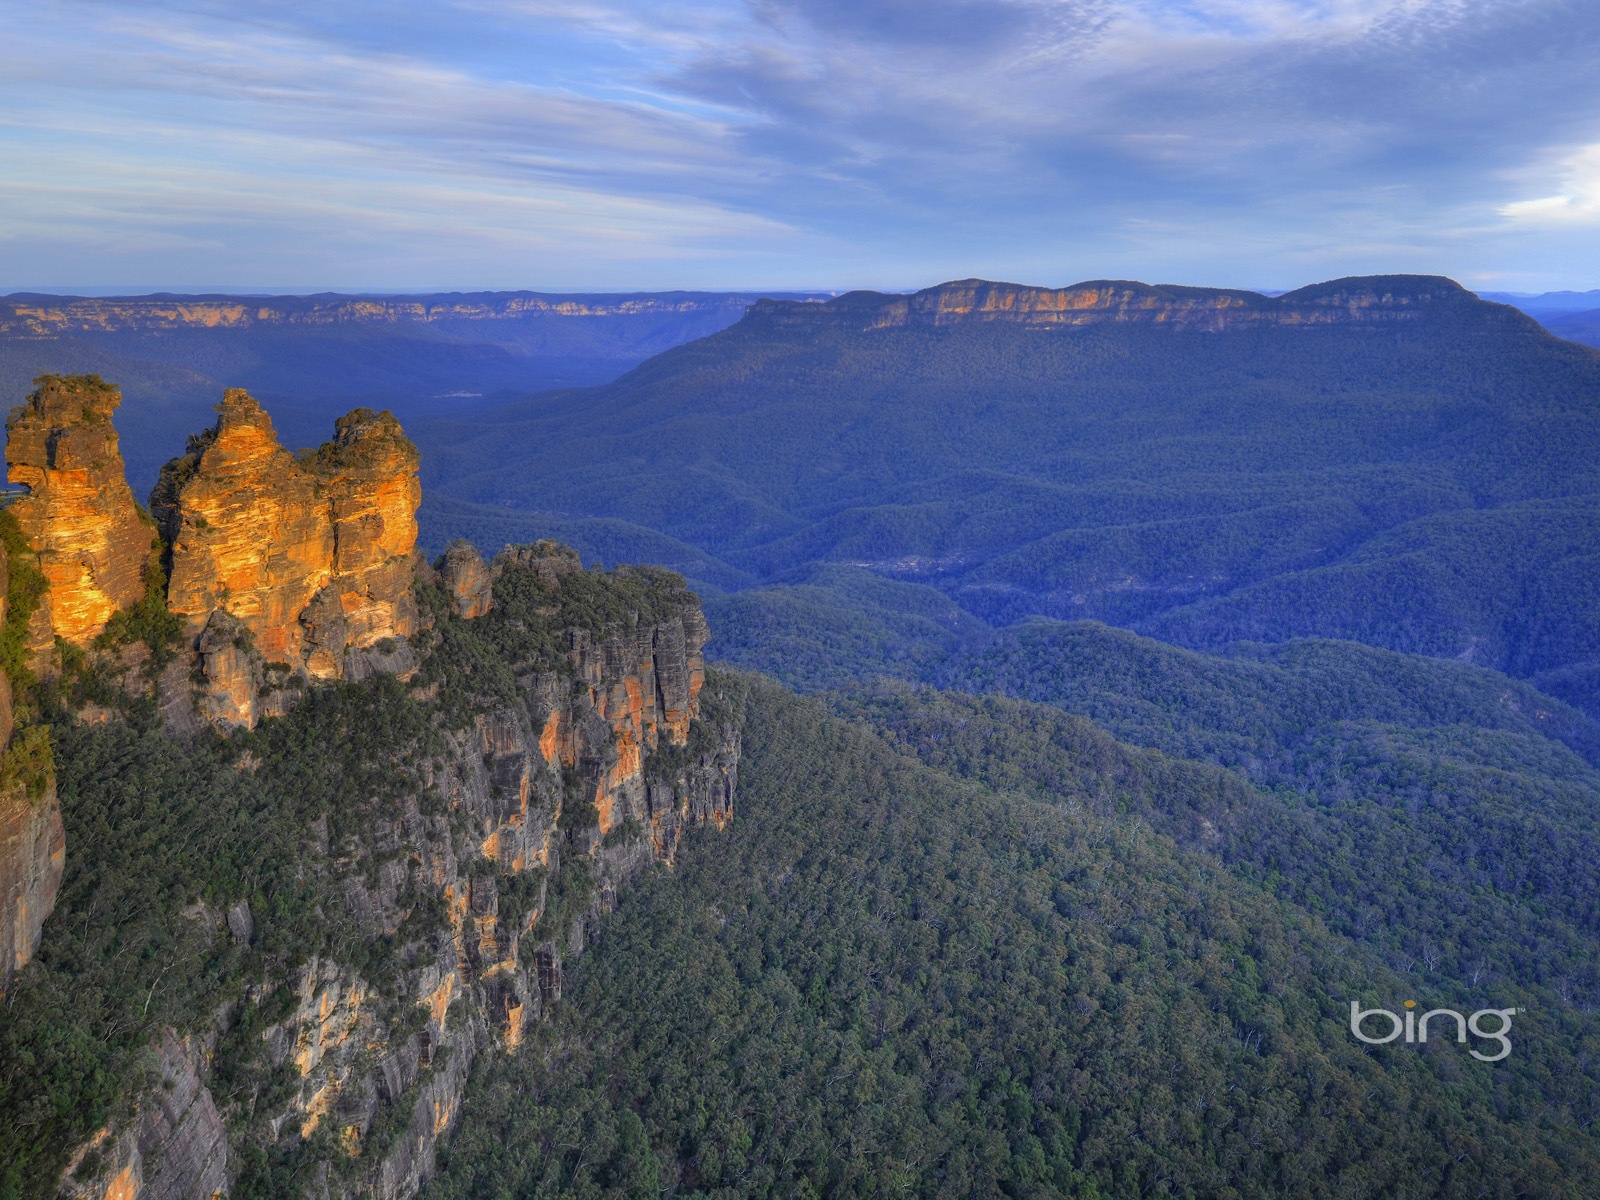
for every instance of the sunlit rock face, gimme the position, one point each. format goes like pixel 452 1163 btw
pixel 628 692
pixel 312 559
pixel 249 533
pixel 1369 300
pixel 80 515
pixel 368 474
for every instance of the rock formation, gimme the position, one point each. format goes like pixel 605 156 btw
pixel 286 570
pixel 369 475
pixel 1375 300
pixel 48 315
pixel 588 748
pixel 602 757
pixel 175 1149
pixel 32 855
pixel 80 516
pixel 468 579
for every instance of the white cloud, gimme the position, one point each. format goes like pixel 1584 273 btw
pixel 1577 200
pixel 925 134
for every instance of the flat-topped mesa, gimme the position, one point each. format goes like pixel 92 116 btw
pixel 79 516
pixel 302 566
pixel 1365 300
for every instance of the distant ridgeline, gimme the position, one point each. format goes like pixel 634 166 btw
pixel 1376 300
pixel 39 315
pixel 317 356
pixel 276 954
pixel 1388 460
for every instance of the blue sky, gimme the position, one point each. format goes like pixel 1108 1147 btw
pixel 609 144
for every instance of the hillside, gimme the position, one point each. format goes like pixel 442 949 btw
pixel 331 869
pixel 1581 326
pixel 1387 460
pixel 896 974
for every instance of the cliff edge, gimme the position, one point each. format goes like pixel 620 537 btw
pixel 1382 300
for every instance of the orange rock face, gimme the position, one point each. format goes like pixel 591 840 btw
pixel 1359 301
pixel 249 533
pixel 79 515
pixel 368 474
pixel 312 559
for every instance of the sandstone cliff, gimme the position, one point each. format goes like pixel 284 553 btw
pixel 46 315
pixel 80 516
pixel 284 570
pixel 1375 300
pixel 32 854
pixel 572 747
pixel 176 1148
pixel 32 840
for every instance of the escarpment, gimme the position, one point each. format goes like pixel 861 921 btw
pixel 545 752
pixel 427 850
pixel 32 841
pixel 1376 300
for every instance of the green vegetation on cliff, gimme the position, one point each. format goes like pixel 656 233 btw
pixel 243 891
pixel 165 836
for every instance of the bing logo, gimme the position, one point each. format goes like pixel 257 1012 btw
pixel 1415 1028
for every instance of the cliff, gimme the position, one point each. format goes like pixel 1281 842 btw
pixel 43 316
pixel 79 515
pixel 32 840
pixel 481 817
pixel 1375 300
pixel 32 855
pixel 283 571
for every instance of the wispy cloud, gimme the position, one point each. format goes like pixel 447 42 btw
pixel 796 142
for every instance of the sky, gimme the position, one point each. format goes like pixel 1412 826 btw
pixel 571 145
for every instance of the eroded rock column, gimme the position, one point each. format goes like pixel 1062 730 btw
pixel 80 515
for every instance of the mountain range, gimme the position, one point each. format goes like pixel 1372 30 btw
pixel 1391 461
pixel 1088 701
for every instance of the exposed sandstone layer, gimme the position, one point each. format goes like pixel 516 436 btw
pixel 309 563
pixel 80 516
pixel 176 1148
pixel 44 316
pixel 1374 300
pixel 468 579
pixel 248 532
pixel 32 840
pixel 369 476
pixel 32 856
pixel 597 762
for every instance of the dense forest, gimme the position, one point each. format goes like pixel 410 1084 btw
pixel 1429 487
pixel 955 973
